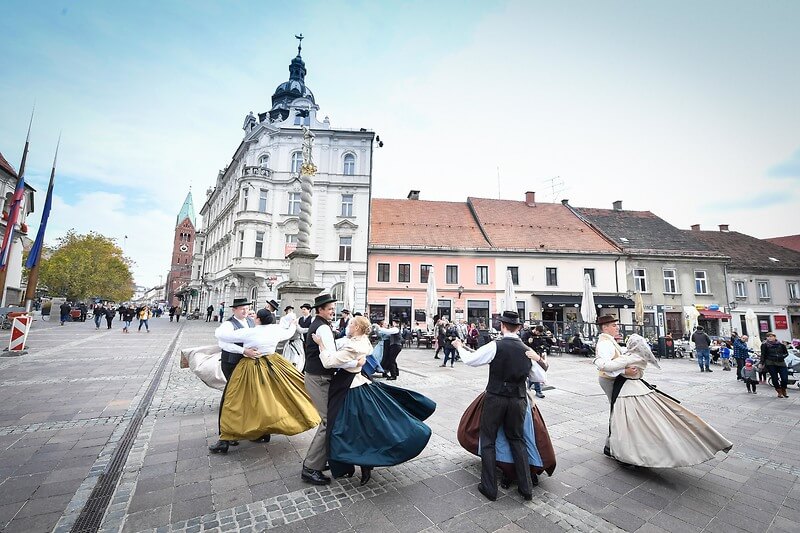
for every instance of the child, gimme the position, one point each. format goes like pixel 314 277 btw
pixel 725 355
pixel 750 375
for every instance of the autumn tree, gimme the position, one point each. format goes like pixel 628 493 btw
pixel 83 266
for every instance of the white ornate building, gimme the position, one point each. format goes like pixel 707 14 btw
pixel 250 216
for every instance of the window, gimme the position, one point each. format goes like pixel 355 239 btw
pixel 347 205
pixel 259 244
pixel 254 298
pixel 424 272
pixel 349 165
pixel 262 201
pixel 590 271
pixel 551 274
pixel 451 274
pixel 482 275
pixel 740 289
pixel 294 203
pixel 670 281
pixel 383 272
pixel 640 279
pixel 700 282
pixel 297 162
pixel 346 249
pixel 244 197
pixel 263 161
pixel 514 274
pixel 763 290
pixel 291 238
pixel 404 273
pixel 521 309
pixel 793 288
pixel 241 243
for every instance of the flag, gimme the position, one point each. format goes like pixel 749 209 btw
pixel 36 250
pixel 13 215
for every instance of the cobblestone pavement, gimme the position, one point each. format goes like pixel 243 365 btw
pixel 67 403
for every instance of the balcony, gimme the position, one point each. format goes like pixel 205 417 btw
pixel 256 171
pixel 250 265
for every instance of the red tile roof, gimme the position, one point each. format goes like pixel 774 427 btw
pixel 544 226
pixel 6 166
pixel 422 223
pixel 791 242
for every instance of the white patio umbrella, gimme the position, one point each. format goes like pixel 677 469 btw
pixel 588 309
pixel 753 331
pixel 692 314
pixel 431 299
pixel 638 311
pixel 510 296
pixel 349 299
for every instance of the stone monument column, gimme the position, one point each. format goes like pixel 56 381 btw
pixel 302 262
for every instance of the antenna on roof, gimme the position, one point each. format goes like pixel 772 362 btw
pixel 556 186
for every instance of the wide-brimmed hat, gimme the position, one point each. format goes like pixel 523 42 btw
pixel 345 311
pixel 607 319
pixel 273 304
pixel 510 317
pixel 239 302
pixel 306 306
pixel 287 308
pixel 323 299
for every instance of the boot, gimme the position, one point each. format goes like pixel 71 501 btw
pixel 783 391
pixel 780 393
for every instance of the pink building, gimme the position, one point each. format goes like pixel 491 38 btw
pixel 410 239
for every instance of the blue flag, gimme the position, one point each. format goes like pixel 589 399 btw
pixel 33 255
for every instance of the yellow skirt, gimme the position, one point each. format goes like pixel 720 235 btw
pixel 265 396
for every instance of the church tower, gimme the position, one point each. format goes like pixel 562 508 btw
pixel 180 272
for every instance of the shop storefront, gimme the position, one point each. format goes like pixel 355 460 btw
pixel 715 322
pixel 478 313
pixel 400 310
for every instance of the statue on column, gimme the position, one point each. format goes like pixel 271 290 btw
pixel 307 170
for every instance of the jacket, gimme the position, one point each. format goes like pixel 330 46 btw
pixel 751 374
pixel 740 349
pixel 701 340
pixel 773 354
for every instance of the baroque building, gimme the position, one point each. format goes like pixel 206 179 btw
pixel 251 214
pixel 180 271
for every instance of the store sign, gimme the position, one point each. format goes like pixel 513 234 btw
pixel 781 322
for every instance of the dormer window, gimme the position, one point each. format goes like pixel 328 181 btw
pixel 349 165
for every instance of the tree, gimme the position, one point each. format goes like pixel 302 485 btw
pixel 82 266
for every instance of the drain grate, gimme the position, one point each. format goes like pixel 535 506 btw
pixel 92 513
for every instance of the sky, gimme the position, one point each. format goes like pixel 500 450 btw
pixel 686 109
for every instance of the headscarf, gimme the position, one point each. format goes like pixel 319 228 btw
pixel 639 347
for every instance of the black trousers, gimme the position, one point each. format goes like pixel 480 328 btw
pixel 389 362
pixel 508 413
pixel 739 367
pixel 227 371
pixel 109 319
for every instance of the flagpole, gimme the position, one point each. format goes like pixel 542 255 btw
pixel 20 174
pixel 33 274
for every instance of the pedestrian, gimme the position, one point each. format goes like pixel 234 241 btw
pixel 343 321
pixel 702 344
pixel 65 310
pixel 725 356
pixel 749 375
pixel 232 353
pixel 111 313
pixel 505 403
pixel 534 382
pixel 441 333
pixel 318 381
pixel 740 353
pixel 127 317
pixel 172 312
pixel 773 354
pixel 144 316
pixel 221 311
pixel 451 334
pixel 121 311
pixel 209 312
pixel 472 336
pixel 98 313
pixel 178 312
pixel 84 311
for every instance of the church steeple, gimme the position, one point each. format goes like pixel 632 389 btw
pixel 187 210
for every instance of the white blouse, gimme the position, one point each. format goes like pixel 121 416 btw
pixel 265 339
pixel 345 355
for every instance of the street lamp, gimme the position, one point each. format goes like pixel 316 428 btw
pixel 460 290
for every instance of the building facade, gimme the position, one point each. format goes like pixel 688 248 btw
pixel 180 272
pixel 251 215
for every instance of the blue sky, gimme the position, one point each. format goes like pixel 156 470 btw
pixel 686 109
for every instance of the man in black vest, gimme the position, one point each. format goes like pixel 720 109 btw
pixel 231 355
pixel 304 322
pixel 505 402
pixel 318 380
pixel 272 307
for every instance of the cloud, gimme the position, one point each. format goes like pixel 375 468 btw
pixel 787 169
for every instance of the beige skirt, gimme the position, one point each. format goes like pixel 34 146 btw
pixel 655 431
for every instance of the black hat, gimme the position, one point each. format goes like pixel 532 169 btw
pixel 306 306
pixel 323 299
pixel 239 302
pixel 607 319
pixel 510 317
pixel 273 303
pixel 287 308
pixel 346 311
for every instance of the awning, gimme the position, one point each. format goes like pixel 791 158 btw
pixel 555 300
pixel 713 315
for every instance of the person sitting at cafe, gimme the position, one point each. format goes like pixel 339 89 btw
pixel 576 345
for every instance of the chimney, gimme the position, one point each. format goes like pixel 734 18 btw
pixel 564 202
pixel 723 227
pixel 530 199
pixel 413 195
pixel 618 205
pixel 695 227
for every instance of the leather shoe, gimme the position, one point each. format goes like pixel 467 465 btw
pixel 486 493
pixel 534 480
pixel 315 477
pixel 708 370
pixel 233 442
pixel 366 475
pixel 220 447
pixel 526 497
pixel 349 473
pixel 262 438
pixel 505 482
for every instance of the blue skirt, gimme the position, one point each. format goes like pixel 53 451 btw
pixel 378 425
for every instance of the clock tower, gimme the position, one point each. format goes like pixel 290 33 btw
pixel 180 272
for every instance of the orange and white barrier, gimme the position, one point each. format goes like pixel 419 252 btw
pixel 19 332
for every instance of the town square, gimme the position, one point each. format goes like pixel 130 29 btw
pixel 400 267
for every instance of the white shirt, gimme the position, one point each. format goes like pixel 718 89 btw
pixel 226 328
pixel 263 338
pixel 483 355
pixel 606 349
